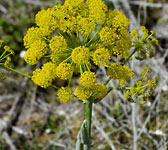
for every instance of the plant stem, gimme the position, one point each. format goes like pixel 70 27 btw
pixel 88 115
pixel 88 118
pixel 13 70
pixel 127 59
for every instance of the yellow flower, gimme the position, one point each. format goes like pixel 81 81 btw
pixel 154 41
pixel 118 71
pixel 97 10
pixel 82 32
pixel 82 92
pixel 127 95
pixel 116 20
pixel 76 7
pixel 143 42
pixel 135 34
pixel 47 19
pixel 58 44
pixel 86 25
pixel 99 91
pixel 73 3
pixel 80 55
pixel 108 36
pixel 44 77
pixel 101 56
pixel 67 19
pixel 37 50
pixel 64 71
pixel 34 34
pixel 65 94
pixel 123 45
pixel 9 50
pixel 88 79
pixel 7 62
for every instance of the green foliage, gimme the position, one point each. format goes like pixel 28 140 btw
pixel 54 123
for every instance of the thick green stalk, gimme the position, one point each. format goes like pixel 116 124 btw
pixel 88 115
pixel 88 118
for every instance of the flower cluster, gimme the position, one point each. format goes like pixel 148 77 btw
pixel 142 89
pixel 44 77
pixel 143 42
pixel 5 55
pixel 74 37
pixel 120 72
pixel 89 87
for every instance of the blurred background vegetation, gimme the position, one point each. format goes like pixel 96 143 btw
pixel 39 121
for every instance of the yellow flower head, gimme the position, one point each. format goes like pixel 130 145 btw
pixel 68 24
pixel 58 44
pixel 97 10
pixel 73 3
pixel 108 36
pixel 44 77
pixel 119 72
pixel 76 7
pixel 46 19
pixel 86 25
pixel 99 91
pixel 123 45
pixel 81 55
pixel 82 92
pixel 34 34
pixel 64 71
pixel 117 20
pixel 65 94
pixel 37 50
pixel 88 78
pixel 101 56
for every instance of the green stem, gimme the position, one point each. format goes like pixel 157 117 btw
pixel 67 59
pixel 88 118
pixel 108 80
pixel 88 115
pixel 130 56
pixel 3 54
pixel 94 35
pixel 118 88
pixel 13 70
pixel 54 86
